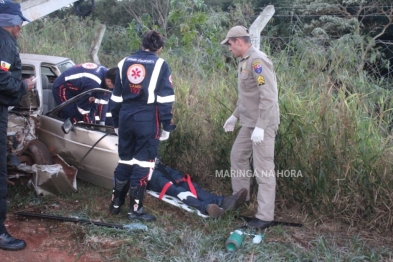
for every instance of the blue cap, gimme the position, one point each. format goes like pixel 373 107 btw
pixel 11 8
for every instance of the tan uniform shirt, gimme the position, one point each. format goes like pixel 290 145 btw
pixel 257 87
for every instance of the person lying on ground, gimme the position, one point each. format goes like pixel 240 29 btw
pixel 169 181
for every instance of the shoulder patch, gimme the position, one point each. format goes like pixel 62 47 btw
pixel 136 73
pixel 257 67
pixel 5 66
pixel 260 80
pixel 89 65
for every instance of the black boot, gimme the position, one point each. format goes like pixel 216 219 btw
pixel 118 196
pixel 136 205
pixel 7 242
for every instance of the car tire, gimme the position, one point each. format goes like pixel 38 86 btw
pixel 36 153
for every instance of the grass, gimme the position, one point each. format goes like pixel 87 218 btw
pixel 181 236
pixel 335 121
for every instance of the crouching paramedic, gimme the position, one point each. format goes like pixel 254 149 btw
pixel 143 98
pixel 173 183
pixel 74 81
pixel 100 112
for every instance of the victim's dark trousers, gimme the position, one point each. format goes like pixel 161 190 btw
pixel 204 198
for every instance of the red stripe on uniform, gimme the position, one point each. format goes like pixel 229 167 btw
pixel 100 106
pixel 187 178
pixel 143 180
pixel 164 189
pixel 62 93
pixel 86 118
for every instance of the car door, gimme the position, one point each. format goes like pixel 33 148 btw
pixel 91 148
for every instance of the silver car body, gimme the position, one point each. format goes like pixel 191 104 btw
pixel 91 148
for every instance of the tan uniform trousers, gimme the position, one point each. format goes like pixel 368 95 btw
pixel 263 161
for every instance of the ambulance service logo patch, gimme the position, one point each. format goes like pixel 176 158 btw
pixel 5 66
pixel 89 65
pixel 136 73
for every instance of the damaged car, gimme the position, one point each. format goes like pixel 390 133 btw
pixel 39 139
pixel 91 148
pixel 25 152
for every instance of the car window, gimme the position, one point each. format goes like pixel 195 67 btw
pixel 50 72
pixel 56 113
pixel 64 66
pixel 28 71
pixel 96 127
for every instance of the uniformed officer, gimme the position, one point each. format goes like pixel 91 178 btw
pixel 142 116
pixel 74 81
pixel 258 113
pixel 12 89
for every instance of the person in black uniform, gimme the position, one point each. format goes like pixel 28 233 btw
pixel 169 181
pixel 74 81
pixel 101 111
pixel 172 182
pixel 12 88
pixel 142 116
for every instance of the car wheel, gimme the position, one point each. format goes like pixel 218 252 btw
pixel 36 153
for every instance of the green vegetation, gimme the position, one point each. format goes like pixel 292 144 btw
pixel 336 114
pixel 192 239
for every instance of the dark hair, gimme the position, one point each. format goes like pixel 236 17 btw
pixel 111 74
pixel 153 41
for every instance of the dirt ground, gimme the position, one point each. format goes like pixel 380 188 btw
pixel 46 241
pixel 50 240
pixel 55 241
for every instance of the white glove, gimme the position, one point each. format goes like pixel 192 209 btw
pixel 117 131
pixel 230 123
pixel 257 135
pixel 164 135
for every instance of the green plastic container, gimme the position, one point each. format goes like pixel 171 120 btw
pixel 235 241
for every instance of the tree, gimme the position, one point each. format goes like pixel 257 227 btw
pixel 368 20
pixel 156 10
pixel 111 13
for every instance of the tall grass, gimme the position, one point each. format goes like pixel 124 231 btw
pixel 199 146
pixel 72 37
pixel 333 132
pixel 334 120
